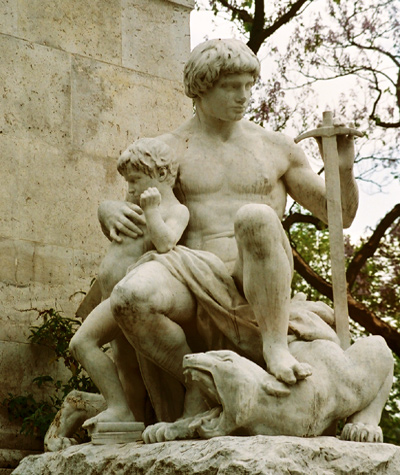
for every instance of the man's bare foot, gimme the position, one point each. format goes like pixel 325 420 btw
pixel 284 366
pixel 273 387
pixel 109 415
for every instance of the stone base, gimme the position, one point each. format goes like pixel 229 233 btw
pixel 223 455
pixel 10 458
pixel 116 433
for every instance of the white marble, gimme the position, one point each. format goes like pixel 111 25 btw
pixel 234 178
pixel 228 287
pixel 260 455
pixel 69 107
pixel 150 169
pixel 230 395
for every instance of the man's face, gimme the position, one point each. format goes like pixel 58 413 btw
pixel 228 99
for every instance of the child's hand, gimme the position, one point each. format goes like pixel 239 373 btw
pixel 150 198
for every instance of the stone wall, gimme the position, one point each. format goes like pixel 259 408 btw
pixel 80 81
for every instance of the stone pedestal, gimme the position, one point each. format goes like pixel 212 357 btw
pixel 80 81
pixel 260 455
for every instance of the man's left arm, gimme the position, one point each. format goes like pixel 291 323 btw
pixel 308 188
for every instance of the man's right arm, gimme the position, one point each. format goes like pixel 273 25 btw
pixel 120 217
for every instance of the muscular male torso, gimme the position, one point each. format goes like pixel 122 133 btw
pixel 218 177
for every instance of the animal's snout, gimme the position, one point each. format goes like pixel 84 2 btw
pixel 188 359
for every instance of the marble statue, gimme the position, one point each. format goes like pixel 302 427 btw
pixel 150 169
pixel 230 395
pixel 234 177
pixel 213 317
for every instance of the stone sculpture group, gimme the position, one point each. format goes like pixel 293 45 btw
pixel 207 329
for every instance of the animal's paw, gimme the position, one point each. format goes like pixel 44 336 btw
pixel 359 432
pixel 53 444
pixel 164 431
pixel 160 432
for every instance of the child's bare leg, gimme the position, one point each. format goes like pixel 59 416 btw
pixel 130 376
pixel 98 329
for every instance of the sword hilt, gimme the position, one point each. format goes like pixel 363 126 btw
pixel 328 129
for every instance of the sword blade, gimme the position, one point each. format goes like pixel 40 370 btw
pixel 335 222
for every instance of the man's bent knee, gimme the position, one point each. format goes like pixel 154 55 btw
pixel 251 216
pixel 257 224
pixel 137 296
pixel 126 299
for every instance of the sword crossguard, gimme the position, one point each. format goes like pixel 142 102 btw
pixel 328 130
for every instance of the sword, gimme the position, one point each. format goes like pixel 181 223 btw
pixel 328 133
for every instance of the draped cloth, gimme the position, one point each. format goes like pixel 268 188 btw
pixel 224 319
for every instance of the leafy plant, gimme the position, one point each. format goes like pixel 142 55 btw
pixel 55 332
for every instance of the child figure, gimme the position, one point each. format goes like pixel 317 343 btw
pixel 150 170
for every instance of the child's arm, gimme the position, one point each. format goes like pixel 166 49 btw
pixel 163 234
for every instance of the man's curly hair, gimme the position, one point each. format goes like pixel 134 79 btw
pixel 209 60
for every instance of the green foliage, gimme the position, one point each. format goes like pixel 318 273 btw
pixel 390 421
pixel 55 332
pixel 378 283
pixel 36 416
pixel 313 245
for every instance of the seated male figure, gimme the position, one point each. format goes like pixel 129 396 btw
pixel 234 178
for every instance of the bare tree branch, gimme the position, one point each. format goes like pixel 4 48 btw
pixel 242 14
pixel 378 50
pixel 302 218
pixel 369 248
pixel 258 26
pixel 388 125
pixel 357 311
pixel 257 40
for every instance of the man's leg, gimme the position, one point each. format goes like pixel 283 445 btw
pixel 154 310
pixel 264 269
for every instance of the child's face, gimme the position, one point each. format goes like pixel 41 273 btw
pixel 138 182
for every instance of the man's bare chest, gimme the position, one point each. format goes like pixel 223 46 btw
pixel 236 169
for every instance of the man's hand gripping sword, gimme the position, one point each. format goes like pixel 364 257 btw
pixel 328 133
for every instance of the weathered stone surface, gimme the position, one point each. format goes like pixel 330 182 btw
pixel 223 455
pixel 69 107
pixel 76 118
pixel 38 276
pixel 150 56
pixel 10 458
pixel 123 33
pixel 8 17
pixel 113 106
pixel 35 97
pixel 87 28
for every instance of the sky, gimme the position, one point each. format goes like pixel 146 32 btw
pixel 373 204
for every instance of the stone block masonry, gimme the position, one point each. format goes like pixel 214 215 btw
pixel 79 82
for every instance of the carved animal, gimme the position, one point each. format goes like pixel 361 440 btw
pixel 76 408
pixel 230 395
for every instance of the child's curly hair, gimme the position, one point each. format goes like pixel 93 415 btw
pixel 150 156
